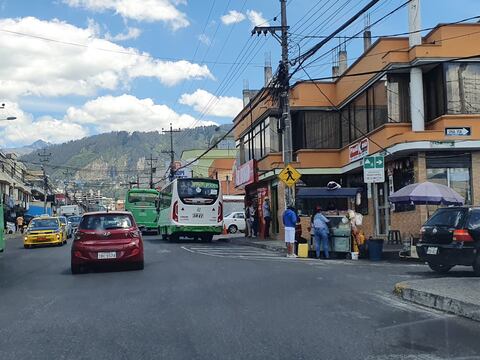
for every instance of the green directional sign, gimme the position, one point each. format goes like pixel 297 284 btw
pixel 374 169
pixel 369 162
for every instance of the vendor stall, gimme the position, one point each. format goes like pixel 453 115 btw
pixel 337 204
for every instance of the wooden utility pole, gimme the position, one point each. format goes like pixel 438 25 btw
pixel 44 158
pixel 171 152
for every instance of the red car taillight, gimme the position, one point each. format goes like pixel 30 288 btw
pixel 462 235
pixel 220 212
pixel 175 211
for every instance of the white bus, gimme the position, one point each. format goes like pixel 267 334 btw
pixel 191 208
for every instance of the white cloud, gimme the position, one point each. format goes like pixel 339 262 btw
pixel 145 10
pixel 25 129
pixel 103 114
pixel 205 102
pixel 232 17
pixel 31 66
pixel 131 33
pixel 205 39
pixel 256 18
pixel 126 112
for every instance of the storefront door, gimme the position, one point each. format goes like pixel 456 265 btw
pixel 382 208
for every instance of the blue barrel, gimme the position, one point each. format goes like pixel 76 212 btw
pixel 375 249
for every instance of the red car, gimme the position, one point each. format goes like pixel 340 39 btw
pixel 107 238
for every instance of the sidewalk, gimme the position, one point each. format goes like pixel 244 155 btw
pixel 459 296
pixel 272 245
pixel 390 252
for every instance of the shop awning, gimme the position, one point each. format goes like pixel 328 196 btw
pixel 325 193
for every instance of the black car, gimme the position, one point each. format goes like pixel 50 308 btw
pixel 451 237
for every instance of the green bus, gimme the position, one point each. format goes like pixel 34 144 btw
pixel 142 204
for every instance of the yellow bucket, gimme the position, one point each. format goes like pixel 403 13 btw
pixel 303 250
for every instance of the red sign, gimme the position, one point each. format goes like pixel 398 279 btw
pixel 245 174
pixel 358 150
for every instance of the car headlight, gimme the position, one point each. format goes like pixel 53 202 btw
pixel 26 238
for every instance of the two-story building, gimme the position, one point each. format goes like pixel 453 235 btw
pixel 367 110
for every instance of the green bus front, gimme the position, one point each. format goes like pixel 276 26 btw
pixel 141 203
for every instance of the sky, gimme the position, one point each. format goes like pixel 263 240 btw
pixel 75 68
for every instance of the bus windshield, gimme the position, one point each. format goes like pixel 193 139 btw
pixel 142 198
pixel 192 191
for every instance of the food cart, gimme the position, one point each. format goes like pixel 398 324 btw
pixel 335 203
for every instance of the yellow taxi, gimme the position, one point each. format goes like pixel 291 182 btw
pixel 44 230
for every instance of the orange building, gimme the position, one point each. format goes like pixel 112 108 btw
pixel 368 110
pixel 222 169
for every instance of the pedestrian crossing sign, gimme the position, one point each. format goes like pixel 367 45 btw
pixel 289 175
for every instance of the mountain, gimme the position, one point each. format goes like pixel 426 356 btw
pixel 27 149
pixel 119 157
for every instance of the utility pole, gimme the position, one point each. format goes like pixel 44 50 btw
pixel 284 78
pixel 67 174
pixel 44 158
pixel 171 152
pixel 152 169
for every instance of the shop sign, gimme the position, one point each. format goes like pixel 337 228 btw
pixel 358 150
pixel 458 131
pixel 245 174
pixel 374 169
pixel 289 175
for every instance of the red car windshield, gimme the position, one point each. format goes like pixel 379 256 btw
pixel 106 222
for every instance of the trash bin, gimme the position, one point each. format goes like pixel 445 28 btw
pixel 375 249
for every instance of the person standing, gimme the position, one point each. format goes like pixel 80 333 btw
pixel 320 231
pixel 249 212
pixel 267 217
pixel 255 219
pixel 289 221
pixel 20 224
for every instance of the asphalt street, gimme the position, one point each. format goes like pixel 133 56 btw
pixel 219 301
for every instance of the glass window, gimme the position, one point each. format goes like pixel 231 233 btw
pixel 106 222
pixel 275 138
pixel 142 198
pixel 361 126
pixel 194 191
pixel 474 219
pixel 456 178
pixel 398 98
pixel 434 93
pixel 463 88
pixel 380 111
pixel 345 126
pixel 445 217
pixel 403 175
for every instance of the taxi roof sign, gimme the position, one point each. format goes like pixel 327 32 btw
pixel 289 175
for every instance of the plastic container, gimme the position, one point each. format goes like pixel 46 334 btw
pixel 354 255
pixel 375 249
pixel 303 250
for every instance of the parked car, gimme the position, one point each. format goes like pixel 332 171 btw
pixel 107 238
pixel 451 236
pixel 74 221
pixel 235 222
pixel 44 230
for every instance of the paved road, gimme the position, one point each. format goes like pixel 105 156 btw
pixel 218 301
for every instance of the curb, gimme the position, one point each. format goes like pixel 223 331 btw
pixel 437 302
pixel 260 246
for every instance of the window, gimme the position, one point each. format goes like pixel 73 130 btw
pixel 452 170
pixel 403 175
pixel 445 217
pixel 316 130
pixel 398 95
pixel 106 222
pixel 462 82
pixel 380 110
pixel 434 93
pixel 474 220
pixel 360 115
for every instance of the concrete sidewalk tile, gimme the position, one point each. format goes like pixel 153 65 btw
pixel 459 296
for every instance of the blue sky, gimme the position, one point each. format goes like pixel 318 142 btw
pixel 105 65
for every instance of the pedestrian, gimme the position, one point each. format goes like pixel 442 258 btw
pixel 289 222
pixel 249 213
pixel 267 217
pixel 320 231
pixel 255 219
pixel 20 223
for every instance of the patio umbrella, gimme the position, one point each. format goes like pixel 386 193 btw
pixel 426 193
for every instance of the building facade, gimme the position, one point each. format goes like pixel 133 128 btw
pixel 368 110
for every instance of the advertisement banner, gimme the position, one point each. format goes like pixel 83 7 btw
pixel 358 150
pixel 245 174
